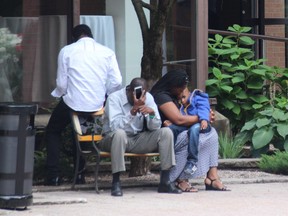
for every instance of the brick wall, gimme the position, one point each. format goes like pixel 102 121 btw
pixel 31 8
pixel 275 51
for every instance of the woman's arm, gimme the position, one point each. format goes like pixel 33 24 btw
pixel 172 113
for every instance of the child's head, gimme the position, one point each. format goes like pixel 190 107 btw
pixel 185 97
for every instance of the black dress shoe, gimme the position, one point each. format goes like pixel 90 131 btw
pixel 80 179
pixel 54 181
pixel 116 189
pixel 168 188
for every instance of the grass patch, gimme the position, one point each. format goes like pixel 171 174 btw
pixel 277 163
pixel 230 147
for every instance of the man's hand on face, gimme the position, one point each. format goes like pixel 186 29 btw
pixel 139 102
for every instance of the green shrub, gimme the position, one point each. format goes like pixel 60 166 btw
pixel 230 147
pixel 252 95
pixel 277 163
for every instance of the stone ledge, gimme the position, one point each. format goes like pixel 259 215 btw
pixel 241 163
pixel 245 163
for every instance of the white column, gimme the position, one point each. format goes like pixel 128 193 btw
pixel 128 38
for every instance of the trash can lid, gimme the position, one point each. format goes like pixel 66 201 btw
pixel 18 108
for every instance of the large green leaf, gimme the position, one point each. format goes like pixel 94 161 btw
pixel 236 90
pixel 242 67
pixel 229 51
pixel 212 91
pixel 241 95
pixel 227 103
pixel 255 85
pixel 218 37
pixel 286 144
pixel 225 45
pixel 257 106
pixel 234 56
pixel 246 106
pixel 237 27
pixel 278 114
pixel 262 122
pixel 248 55
pixel 226 88
pixel 236 109
pixel 259 98
pixel 249 125
pixel 261 72
pixel 226 76
pixel 230 28
pixel 239 77
pixel 245 40
pixel 216 51
pixel 282 129
pixel 227 64
pixel 245 29
pixel 228 41
pixel 243 137
pixel 261 137
pixel 211 82
pixel 285 116
pixel 217 73
pixel 267 112
pixel 245 51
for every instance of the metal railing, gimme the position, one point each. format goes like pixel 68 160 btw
pixel 256 36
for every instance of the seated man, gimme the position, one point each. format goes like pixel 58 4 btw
pixel 133 124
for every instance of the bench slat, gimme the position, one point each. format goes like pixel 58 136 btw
pixel 107 154
pixel 88 138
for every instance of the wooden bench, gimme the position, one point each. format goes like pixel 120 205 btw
pixel 90 140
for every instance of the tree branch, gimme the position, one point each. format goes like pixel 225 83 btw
pixel 142 18
pixel 148 6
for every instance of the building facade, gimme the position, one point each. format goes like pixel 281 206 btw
pixel 33 31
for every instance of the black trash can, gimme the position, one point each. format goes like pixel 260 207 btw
pixel 17 140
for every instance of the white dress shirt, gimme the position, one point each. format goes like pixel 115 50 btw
pixel 86 71
pixel 118 115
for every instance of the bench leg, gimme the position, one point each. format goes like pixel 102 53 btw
pixel 96 172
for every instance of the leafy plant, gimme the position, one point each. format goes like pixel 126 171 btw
pixel 277 163
pixel 230 147
pixel 252 95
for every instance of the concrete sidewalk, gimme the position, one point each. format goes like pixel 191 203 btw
pixel 263 199
pixel 253 193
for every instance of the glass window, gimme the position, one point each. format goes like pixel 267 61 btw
pixel 32 33
pixel 178 45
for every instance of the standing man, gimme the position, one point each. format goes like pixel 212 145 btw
pixel 133 124
pixel 87 71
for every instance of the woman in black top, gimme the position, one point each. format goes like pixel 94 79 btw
pixel 167 92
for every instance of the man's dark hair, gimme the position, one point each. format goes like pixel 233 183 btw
pixel 81 30
pixel 138 82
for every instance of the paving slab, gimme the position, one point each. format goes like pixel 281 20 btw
pixel 263 199
pixel 252 193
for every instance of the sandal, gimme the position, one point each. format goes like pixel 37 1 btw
pixel 211 187
pixel 185 186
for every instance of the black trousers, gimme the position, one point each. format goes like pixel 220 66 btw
pixel 59 120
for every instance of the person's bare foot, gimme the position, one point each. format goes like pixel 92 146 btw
pixel 185 186
pixel 215 184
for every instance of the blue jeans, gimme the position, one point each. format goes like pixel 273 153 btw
pixel 193 140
